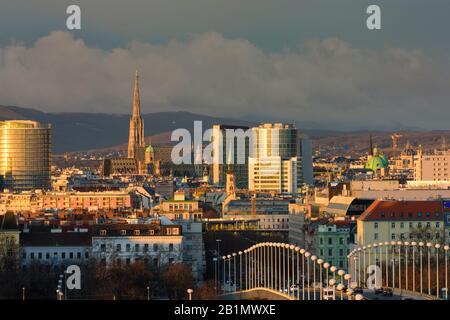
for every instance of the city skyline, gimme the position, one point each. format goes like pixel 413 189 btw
pixel 329 75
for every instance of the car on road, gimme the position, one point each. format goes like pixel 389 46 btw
pixel 328 294
pixel 358 290
pixel 378 290
pixel 388 292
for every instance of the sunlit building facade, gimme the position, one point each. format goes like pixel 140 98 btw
pixel 25 150
pixel 279 160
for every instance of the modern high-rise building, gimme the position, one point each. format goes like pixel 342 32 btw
pixel 136 143
pixel 25 151
pixel 280 159
pixel 231 151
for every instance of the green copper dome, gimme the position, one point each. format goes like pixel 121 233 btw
pixel 149 149
pixel 377 161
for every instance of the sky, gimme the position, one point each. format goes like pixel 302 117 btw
pixel 309 61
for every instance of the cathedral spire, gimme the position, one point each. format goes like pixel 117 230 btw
pixel 136 143
pixel 136 99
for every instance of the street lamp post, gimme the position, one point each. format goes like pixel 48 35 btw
pixel 292 249
pixel 279 266
pixel 217 266
pixel 320 262
pixel 399 244
pixel 326 265
pixel 364 266
pixel 413 246
pixel 189 291
pixel 380 251
pixel 240 270
pixel 437 246
pixel 313 259
pixel 224 259
pixel 421 266
pixel 284 267
pixel 386 262
pixel 302 252
pixel 446 247
pixel 348 277
pixel 297 251
pixel 429 267
pixel 229 272
pixel 234 270
pixel 307 255
pixel 406 244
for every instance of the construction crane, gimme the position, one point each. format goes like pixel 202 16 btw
pixel 395 137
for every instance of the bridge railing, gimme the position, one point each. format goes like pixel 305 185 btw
pixel 284 268
pixel 411 266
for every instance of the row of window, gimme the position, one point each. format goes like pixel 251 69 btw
pixel 341 240
pixel 330 252
pixel 411 225
pixel 137 247
pixel 55 255
pixel 411 236
pixel 410 215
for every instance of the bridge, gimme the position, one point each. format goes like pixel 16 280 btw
pixel 416 268
pixel 272 270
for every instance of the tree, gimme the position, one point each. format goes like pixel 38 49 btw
pixel 206 291
pixel 177 279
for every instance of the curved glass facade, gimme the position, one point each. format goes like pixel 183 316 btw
pixel 25 149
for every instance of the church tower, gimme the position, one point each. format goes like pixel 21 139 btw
pixel 136 143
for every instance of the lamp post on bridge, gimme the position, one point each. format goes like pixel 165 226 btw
pixel 302 252
pixel 399 244
pixel 326 265
pixel 292 250
pixel 386 263
pixel 406 244
pixel 429 267
pixel 421 266
pixel 240 270
pixel 234 271
pixel 307 255
pixel 341 284
pixel 380 251
pixel 364 266
pixel 297 251
pixel 348 277
pixel 375 248
pixel 279 267
pixel 229 272
pixel 437 246
pixel 333 270
pixel 313 259
pixel 283 246
pixel 359 267
pixel 224 258
pixel 413 249
pixel 320 262
pixel 446 248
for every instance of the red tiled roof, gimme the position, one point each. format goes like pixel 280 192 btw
pixel 403 210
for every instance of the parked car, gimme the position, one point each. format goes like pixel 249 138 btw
pixel 389 292
pixel 328 294
pixel 378 290
pixel 294 288
pixel 358 290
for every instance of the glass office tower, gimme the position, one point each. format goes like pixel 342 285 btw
pixel 25 150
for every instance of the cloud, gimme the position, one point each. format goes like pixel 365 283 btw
pixel 327 80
